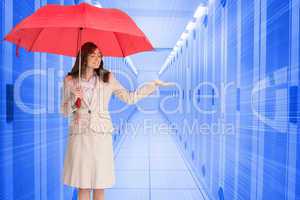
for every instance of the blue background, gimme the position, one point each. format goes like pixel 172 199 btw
pixel 252 44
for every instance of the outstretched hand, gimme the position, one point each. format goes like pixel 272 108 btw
pixel 164 84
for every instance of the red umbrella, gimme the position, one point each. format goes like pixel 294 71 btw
pixel 62 29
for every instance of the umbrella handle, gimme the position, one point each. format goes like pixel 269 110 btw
pixel 78 102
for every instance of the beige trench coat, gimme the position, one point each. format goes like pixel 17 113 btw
pixel 89 159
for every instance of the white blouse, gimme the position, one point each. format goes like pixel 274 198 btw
pixel 88 86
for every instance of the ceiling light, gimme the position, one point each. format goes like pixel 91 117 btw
pixel 201 10
pixel 190 26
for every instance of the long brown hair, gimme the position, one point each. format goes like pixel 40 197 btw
pixel 86 49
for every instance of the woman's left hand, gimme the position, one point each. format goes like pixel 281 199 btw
pixel 163 84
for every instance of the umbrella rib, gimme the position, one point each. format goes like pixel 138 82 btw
pixel 33 43
pixel 119 44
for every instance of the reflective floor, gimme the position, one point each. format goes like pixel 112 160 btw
pixel 149 165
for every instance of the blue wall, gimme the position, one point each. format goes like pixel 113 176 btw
pixel 251 47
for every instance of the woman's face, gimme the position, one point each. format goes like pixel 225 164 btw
pixel 94 59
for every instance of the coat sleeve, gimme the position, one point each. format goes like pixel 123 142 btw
pixel 67 103
pixel 131 97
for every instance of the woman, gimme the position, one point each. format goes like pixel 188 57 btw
pixel 89 163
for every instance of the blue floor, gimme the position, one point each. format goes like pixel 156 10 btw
pixel 149 165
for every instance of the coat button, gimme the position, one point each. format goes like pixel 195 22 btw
pixel 89 111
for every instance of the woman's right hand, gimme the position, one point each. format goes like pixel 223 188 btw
pixel 78 92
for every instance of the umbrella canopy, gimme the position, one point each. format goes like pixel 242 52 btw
pixel 62 29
